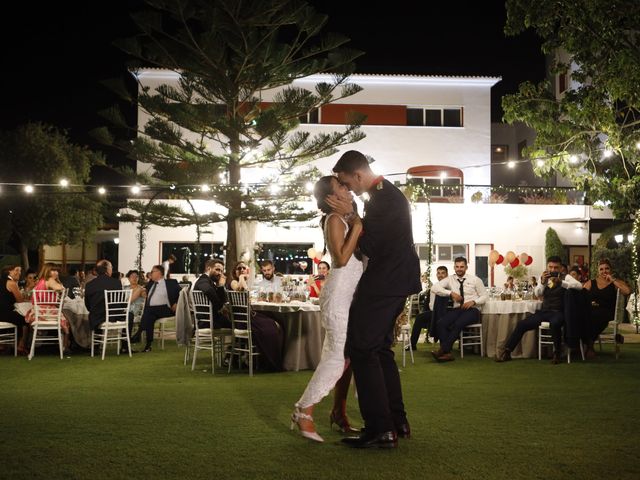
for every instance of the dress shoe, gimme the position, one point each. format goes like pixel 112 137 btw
pixel 403 431
pixel 445 357
pixel 436 354
pixel 373 440
pixel 147 349
pixel 503 355
pixel 556 359
pixel 589 354
pixel 136 337
pixel 125 351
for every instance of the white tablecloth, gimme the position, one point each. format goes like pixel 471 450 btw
pixel 286 307
pixel 496 307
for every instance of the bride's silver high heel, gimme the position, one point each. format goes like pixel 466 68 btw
pixel 298 415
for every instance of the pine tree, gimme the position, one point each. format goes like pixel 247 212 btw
pixel 212 126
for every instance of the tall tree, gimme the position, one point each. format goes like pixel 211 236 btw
pixel 590 134
pixel 211 127
pixel 42 156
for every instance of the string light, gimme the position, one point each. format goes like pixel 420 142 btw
pixel 135 189
pixel 102 190
pixel 28 188
pixel 64 183
pixel 204 188
pixel 511 164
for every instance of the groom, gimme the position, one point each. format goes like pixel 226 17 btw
pixel 392 273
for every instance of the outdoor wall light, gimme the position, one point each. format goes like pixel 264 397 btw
pixel 619 238
pixel 116 241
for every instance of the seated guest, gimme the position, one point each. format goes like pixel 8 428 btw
pixel 468 294
pixel 48 279
pixel 316 282
pixel 423 319
pixel 552 289
pixel 94 296
pixel 265 330
pixel 138 294
pixel 602 295
pixel 71 281
pixel 240 280
pixel 162 300
pixel 30 281
pixel 533 282
pixel 575 273
pixel 9 295
pixel 212 284
pixel 89 273
pixel 270 280
pixel 510 284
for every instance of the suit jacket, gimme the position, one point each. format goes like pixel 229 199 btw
pixel 70 283
pixel 94 297
pixel 173 291
pixel 393 267
pixel 216 295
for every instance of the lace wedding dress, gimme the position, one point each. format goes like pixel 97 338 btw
pixel 335 300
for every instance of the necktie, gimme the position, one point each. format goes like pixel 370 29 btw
pixel 461 282
pixel 151 292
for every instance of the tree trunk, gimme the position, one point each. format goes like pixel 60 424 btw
pixel 24 254
pixel 64 258
pixel 40 257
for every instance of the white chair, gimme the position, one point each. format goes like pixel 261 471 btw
pixel 470 336
pixel 116 304
pixel 242 341
pixel 546 338
pixel 405 339
pixel 206 337
pixel 161 324
pixel 8 337
pixel 614 324
pixel 47 309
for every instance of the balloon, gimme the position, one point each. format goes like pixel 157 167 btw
pixel 311 253
pixel 500 260
pixel 529 261
pixel 493 256
pixel 515 263
pixel 316 260
pixel 510 256
pixel 492 263
pixel 318 256
pixel 523 258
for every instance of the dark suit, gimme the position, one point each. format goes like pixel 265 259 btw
pixel 393 273
pixel 217 296
pixel 70 283
pixel 94 297
pixel 153 313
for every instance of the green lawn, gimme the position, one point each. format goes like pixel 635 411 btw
pixel 151 417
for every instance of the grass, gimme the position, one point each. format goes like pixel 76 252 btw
pixel 151 417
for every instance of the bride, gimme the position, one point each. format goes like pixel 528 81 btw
pixel 341 239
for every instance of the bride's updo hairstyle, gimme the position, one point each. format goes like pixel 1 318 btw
pixel 321 190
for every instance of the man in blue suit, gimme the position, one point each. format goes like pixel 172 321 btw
pixel 162 299
pixel 392 273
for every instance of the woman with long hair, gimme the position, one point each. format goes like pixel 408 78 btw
pixel 341 240
pixel 9 295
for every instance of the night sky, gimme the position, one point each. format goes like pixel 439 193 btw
pixel 54 60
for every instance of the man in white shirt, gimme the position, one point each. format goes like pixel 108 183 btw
pixel 552 288
pixel 468 294
pixel 423 319
pixel 269 278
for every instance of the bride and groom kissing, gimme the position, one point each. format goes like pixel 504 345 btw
pixel 359 305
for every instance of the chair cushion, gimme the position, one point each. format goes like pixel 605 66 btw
pixel 7 325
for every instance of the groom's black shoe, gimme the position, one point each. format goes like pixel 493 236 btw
pixel 373 440
pixel 404 431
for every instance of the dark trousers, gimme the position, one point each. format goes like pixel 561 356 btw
pixel 149 317
pixel 369 339
pixel 533 321
pixel 452 323
pixel 423 320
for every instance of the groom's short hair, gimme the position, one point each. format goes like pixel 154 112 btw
pixel 351 161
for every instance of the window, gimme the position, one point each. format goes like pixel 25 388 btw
pixel 562 82
pixel 311 117
pixel 521 146
pixel 288 258
pixel 448 253
pixel 434 117
pixel 185 253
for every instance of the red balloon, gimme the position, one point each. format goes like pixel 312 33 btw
pixel 499 260
pixel 515 262
pixel 529 260
pixel 316 260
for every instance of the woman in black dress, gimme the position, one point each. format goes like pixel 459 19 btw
pixel 602 295
pixel 9 295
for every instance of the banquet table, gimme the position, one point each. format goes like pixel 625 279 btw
pixel 499 319
pixel 303 334
pixel 75 312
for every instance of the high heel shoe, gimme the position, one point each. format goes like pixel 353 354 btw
pixel 298 415
pixel 342 422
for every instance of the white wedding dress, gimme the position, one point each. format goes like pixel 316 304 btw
pixel 335 300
